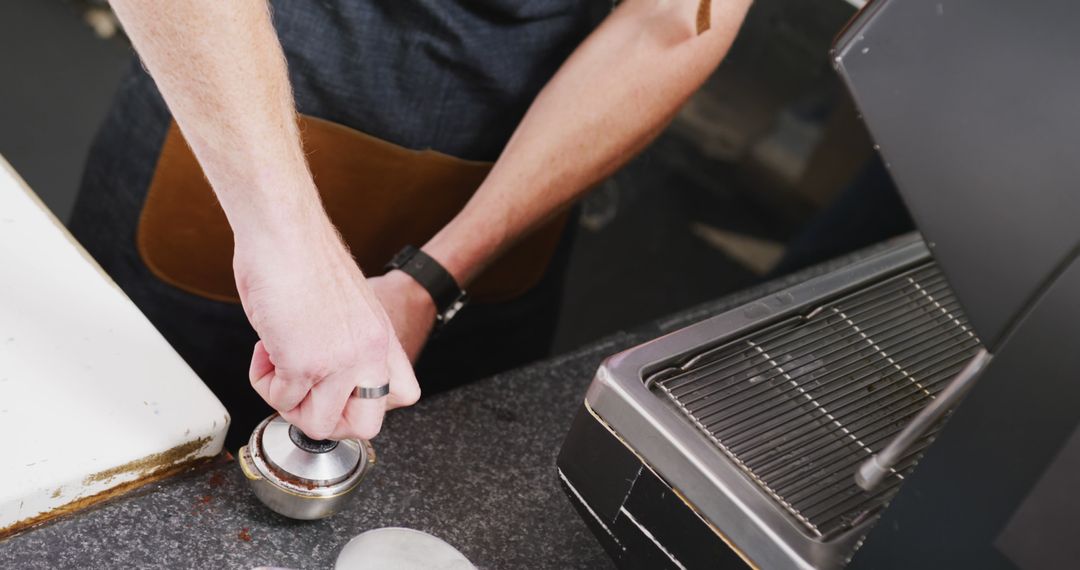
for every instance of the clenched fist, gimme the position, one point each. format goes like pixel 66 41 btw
pixel 323 332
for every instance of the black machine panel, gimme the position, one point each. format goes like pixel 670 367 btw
pixel 973 104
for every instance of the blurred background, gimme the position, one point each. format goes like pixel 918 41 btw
pixel 765 170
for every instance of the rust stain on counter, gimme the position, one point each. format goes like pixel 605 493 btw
pixel 148 465
pixel 150 469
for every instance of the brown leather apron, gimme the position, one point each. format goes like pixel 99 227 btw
pixel 380 196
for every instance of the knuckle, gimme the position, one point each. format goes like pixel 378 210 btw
pixel 368 432
pixel 292 417
pixel 362 427
pixel 410 395
pixel 288 391
pixel 292 364
pixel 314 370
pixel 306 370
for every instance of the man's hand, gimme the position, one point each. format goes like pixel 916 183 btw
pixel 410 308
pixel 323 332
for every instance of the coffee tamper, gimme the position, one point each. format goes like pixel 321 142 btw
pixel 300 477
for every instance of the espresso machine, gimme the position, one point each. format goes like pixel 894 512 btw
pixel 917 408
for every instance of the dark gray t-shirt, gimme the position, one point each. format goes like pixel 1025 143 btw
pixel 452 75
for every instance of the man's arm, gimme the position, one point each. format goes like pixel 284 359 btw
pixel 614 94
pixel 220 68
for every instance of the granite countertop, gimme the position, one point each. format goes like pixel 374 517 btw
pixel 474 466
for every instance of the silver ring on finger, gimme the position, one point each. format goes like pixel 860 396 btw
pixel 366 393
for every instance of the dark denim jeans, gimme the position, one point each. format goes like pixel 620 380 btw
pixel 453 76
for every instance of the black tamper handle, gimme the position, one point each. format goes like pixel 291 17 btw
pixel 301 440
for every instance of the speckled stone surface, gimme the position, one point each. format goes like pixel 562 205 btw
pixel 475 467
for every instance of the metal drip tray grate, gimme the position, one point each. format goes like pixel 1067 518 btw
pixel 800 404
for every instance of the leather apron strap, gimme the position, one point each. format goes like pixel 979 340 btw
pixel 380 196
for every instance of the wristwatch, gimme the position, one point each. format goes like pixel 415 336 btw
pixel 449 297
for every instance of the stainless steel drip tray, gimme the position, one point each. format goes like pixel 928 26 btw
pixel 760 416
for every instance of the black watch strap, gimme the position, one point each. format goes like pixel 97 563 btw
pixel 449 297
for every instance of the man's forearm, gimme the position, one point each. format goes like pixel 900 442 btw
pixel 322 330
pixel 607 102
pixel 221 70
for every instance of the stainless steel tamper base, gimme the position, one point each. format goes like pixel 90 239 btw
pixel 302 478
